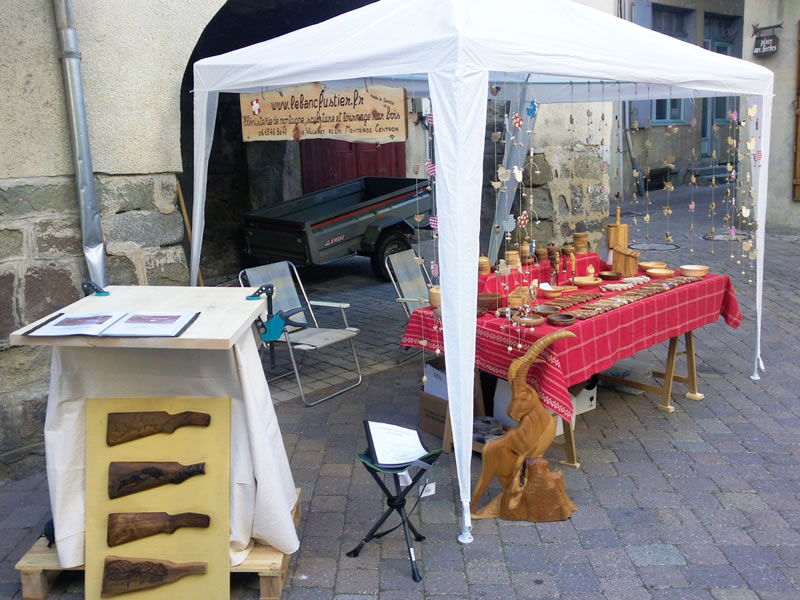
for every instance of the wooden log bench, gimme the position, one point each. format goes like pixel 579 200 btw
pixel 39 568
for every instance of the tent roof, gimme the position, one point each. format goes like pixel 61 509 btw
pixel 393 38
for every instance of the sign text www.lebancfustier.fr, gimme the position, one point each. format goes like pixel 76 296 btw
pixel 375 114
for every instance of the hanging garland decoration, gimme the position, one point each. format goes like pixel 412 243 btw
pixel 712 207
pixel 692 204
pixel 669 163
pixel 635 175
pixel 532 110
pixel 732 183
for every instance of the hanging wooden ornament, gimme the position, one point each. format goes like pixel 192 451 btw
pixel 517 172
pixel 496 136
pixel 503 174
pixel 745 212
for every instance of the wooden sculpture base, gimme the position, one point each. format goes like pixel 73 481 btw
pixel 539 499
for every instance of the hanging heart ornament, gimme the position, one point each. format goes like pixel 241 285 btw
pixel 496 184
pixel 494 90
pixel 516 120
pixel 746 246
pixel 752 111
pixel 745 212
pixel 517 172
pixel 751 144
pixel 496 136
pixel 418 218
pixel 523 219
pixel 509 224
pixel 503 174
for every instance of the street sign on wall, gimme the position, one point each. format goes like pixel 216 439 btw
pixel 765 45
pixel 376 114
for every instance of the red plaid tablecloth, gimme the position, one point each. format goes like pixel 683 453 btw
pixel 491 283
pixel 601 341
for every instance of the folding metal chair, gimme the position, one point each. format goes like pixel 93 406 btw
pixel 396 501
pixel 286 282
pixel 410 279
pixel 411 282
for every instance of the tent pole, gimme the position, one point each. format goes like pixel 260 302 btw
pixel 466 524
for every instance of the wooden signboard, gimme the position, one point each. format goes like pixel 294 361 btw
pixel 376 114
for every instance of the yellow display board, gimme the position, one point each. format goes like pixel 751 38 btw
pixel 207 494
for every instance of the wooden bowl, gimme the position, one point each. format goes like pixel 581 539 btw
pixel 529 321
pixel 660 273
pixel 609 275
pixel 588 281
pixel 644 266
pixel 545 310
pixel 561 320
pixel 694 270
pixel 550 294
pixel 490 301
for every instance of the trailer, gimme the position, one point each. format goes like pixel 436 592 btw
pixel 370 216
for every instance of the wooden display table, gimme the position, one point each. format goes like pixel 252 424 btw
pixel 39 568
pixel 216 357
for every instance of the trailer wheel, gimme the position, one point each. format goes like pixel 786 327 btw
pixel 389 243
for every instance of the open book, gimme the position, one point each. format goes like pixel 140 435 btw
pixel 116 324
pixel 392 445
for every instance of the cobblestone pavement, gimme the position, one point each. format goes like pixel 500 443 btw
pixel 701 504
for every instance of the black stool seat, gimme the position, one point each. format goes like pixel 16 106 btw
pixel 396 501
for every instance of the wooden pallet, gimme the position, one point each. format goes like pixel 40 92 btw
pixel 39 568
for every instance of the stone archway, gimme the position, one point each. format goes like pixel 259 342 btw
pixel 243 177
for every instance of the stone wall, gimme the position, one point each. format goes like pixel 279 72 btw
pixel 565 178
pixel 42 266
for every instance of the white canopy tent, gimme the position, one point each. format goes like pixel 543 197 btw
pixel 565 51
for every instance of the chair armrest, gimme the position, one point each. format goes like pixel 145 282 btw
pixel 420 300
pixel 323 304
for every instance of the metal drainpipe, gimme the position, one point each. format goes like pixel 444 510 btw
pixel 92 233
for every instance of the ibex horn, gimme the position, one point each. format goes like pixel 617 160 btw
pixel 518 371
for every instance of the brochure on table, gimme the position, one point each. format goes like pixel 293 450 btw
pixel 117 324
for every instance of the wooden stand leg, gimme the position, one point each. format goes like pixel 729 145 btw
pixel 447 440
pixel 36 585
pixel 569 445
pixel 692 394
pixel 669 373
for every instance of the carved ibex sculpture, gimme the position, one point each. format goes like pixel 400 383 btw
pixel 504 457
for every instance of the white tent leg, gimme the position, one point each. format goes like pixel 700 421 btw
pixel 466 524
pixel 459 108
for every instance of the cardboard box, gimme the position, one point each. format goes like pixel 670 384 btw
pixel 433 406
pixel 432 413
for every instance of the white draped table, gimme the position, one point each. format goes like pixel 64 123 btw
pixel 217 356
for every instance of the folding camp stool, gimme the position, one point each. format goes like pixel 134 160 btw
pixel 396 502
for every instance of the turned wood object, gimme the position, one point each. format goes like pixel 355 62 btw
pixel 126 478
pixel 129 426
pixel 505 457
pixel 617 234
pixel 581 242
pixel 626 261
pixel 122 575
pixel 127 527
